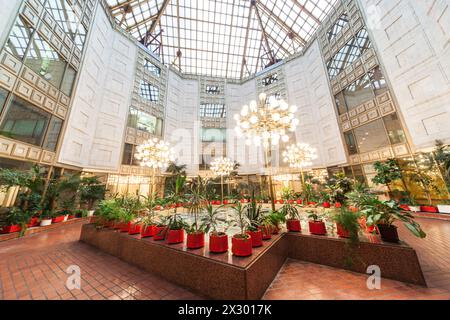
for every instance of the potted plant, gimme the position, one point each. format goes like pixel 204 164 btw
pixel 428 185
pixel 218 240
pixel 410 204
pixel 16 221
pixel 347 223
pixel 91 191
pixel 292 216
pixel 276 218
pixel 316 225
pixel 196 199
pixel 255 219
pixel 46 218
pixel 387 172
pixel 241 242
pixel 175 229
pixel 325 198
pixel 383 214
pixel 148 221
pixel 338 187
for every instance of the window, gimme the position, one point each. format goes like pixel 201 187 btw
pixel 144 122
pixel 212 89
pixel 394 129
pixel 128 158
pixel 80 37
pixel 68 81
pixel 213 135
pixel 212 110
pixel 371 136
pixel 378 81
pixel 64 15
pixel 3 96
pixel 337 28
pixel 340 103
pixel 358 93
pixel 19 38
pixel 53 132
pixel 149 66
pixel 149 92
pixel 24 122
pixel 350 142
pixel 270 79
pixel 45 61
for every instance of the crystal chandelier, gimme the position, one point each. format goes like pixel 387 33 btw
pixel 299 155
pixel 155 154
pixel 222 166
pixel 266 123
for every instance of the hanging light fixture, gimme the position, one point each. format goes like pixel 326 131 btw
pixel 300 156
pixel 266 123
pixel 222 167
pixel 154 154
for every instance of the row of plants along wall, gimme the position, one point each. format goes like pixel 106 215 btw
pixel 358 211
pixel 41 202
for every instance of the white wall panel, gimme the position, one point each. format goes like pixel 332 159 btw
pixel 413 40
pixel 308 89
pixel 8 13
pixel 94 135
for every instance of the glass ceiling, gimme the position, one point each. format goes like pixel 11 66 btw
pixel 221 38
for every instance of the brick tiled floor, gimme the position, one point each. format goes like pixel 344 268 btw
pixel 301 280
pixel 35 268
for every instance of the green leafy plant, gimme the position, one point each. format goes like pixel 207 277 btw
pixel 348 220
pixel 91 191
pixel 16 216
pixel 387 172
pixel 253 211
pixel 314 217
pixel 211 220
pixel 240 220
pixel 275 218
pixel 290 211
pixel 427 183
pixel 442 157
pixel 308 194
pixel 338 187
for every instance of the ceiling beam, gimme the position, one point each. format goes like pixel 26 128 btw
pixel 123 4
pixel 288 29
pixel 140 23
pixel 266 40
pixel 307 11
pixel 156 19
pixel 246 38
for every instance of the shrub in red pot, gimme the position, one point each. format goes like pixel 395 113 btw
pixel 225 202
pixel 312 203
pixel 11 229
pixel 342 232
pixel 134 228
pixel 429 209
pixel 326 205
pixel 267 231
pixel 242 245
pixel 293 225
pixel 34 222
pixel 175 236
pixel 347 223
pixel 175 229
pixel 71 217
pixel 256 236
pixel 218 242
pixel 147 231
pixel 299 201
pixel 405 207
pixel 195 240
pixel 316 225
pixel 124 227
pixel 58 219
pixel 338 205
pixel 159 232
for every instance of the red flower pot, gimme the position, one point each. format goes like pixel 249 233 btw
pixel 299 201
pixel 124 227
pixel 267 232
pixel 218 243
pixel 11 229
pixel 326 205
pixel 175 236
pixel 337 205
pixel 159 233
pixel 312 203
pixel 257 238
pixel 195 240
pixel 343 233
pixel 429 209
pixel 281 201
pixel 294 225
pixel 405 207
pixel 147 231
pixel 58 219
pixel 34 222
pixel 134 228
pixel 317 228
pixel 71 217
pixel 225 202
pixel 241 247
pixel 275 230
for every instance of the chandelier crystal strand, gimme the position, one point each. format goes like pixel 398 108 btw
pixel 222 167
pixel 300 156
pixel 266 123
pixel 154 154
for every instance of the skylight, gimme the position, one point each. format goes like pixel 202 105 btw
pixel 221 38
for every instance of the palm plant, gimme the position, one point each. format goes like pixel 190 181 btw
pixel 91 191
pixel 211 220
pixel 254 215
pixel 196 204
pixel 177 196
pixel 240 220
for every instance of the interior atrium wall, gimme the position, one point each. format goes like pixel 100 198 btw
pixel 412 38
pixel 94 138
pixel 308 89
pixel 7 17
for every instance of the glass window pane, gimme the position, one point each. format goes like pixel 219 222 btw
pixel 64 15
pixel 213 135
pixel 45 61
pixel 24 122
pixel 378 81
pixel 350 143
pixel 149 66
pixel 339 25
pixel 54 129
pixel 394 129
pixel 340 103
pixel 3 96
pixel 128 155
pixel 19 38
pixel 149 92
pixel 371 136
pixel 358 92
pixel 68 81
pixel 213 110
pixel 80 37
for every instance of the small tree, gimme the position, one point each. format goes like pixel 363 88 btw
pixel 426 182
pixel 91 191
pixel 387 172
